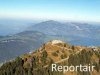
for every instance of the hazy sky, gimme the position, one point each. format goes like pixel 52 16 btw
pixel 85 10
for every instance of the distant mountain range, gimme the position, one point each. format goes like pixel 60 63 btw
pixel 71 28
pixel 35 35
pixel 15 45
pixel 82 33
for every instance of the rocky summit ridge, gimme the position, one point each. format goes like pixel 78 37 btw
pixel 39 61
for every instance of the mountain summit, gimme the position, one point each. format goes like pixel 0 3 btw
pixel 56 42
pixel 56 51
